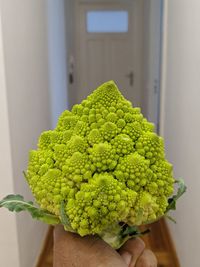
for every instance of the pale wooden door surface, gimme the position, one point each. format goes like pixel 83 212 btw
pixel 109 56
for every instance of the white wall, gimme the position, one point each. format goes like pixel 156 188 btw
pixel 24 27
pixel 181 119
pixel 8 236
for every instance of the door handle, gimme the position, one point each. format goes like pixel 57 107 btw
pixel 131 78
pixel 71 78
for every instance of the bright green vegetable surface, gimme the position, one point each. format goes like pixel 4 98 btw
pixel 102 169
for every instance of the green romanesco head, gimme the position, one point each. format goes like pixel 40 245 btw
pixel 104 162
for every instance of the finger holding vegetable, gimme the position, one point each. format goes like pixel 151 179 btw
pixel 102 170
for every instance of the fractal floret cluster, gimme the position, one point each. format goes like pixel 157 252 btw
pixel 104 163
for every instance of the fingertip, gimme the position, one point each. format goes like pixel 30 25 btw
pixel 61 234
pixel 58 230
pixel 147 259
pixel 127 257
pixel 134 244
pixel 133 247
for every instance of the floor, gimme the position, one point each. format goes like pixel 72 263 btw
pixel 158 240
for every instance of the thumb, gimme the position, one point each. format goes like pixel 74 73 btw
pixel 132 250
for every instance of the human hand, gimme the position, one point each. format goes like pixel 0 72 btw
pixel 71 250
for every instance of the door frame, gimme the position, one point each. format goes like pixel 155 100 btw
pixel 163 77
pixel 153 56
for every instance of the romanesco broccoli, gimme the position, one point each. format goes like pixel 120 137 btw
pixel 101 168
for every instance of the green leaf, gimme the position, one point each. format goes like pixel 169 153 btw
pixel 64 219
pixel 181 190
pixel 25 175
pixel 129 230
pixel 133 231
pixel 170 218
pixel 17 203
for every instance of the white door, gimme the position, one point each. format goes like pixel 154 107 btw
pixel 109 47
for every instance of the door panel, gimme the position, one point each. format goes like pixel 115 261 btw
pixel 95 63
pixel 121 66
pixel 103 56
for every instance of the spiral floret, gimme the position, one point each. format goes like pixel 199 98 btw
pixel 123 144
pixel 151 146
pixel 134 171
pixel 103 157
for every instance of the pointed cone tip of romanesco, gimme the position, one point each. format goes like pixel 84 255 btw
pixel 107 92
pixel 108 86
